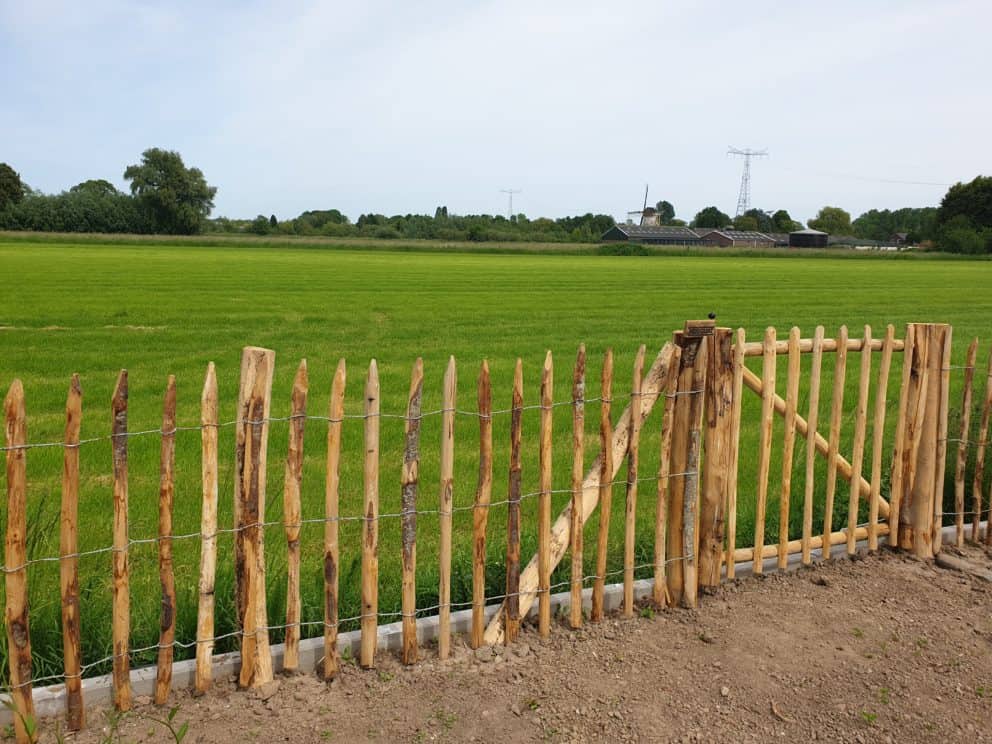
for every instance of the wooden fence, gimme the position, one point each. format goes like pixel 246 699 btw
pixel 700 378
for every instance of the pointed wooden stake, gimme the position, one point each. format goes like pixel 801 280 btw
pixel 332 488
pixel 409 481
pixel 69 565
pixel 293 514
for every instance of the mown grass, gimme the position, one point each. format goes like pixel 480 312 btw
pixel 156 309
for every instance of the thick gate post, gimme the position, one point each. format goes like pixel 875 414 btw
pixel 717 454
pixel 921 447
pixel 683 507
pixel 252 443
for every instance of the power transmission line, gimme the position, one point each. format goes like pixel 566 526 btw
pixel 744 196
pixel 510 193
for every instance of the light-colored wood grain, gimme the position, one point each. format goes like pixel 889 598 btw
pixel 659 592
pixel 370 525
pixel 878 435
pixel 409 482
pixel 830 344
pixel 816 366
pixel 795 546
pixel 121 612
pixel 630 511
pixel 544 500
pixel 578 469
pixel 208 530
pixel 480 512
pixel 836 419
pixel 166 572
pixel 512 602
pixel 251 456
pixel 16 606
pixel 696 355
pixel 735 437
pixel 718 439
pixel 788 446
pixel 765 442
pixel 292 514
pixel 899 457
pixel 69 564
pixel 332 495
pixel 858 448
pixel 605 485
pixel 654 383
pixel 446 500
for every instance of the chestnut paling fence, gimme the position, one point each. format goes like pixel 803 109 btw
pixel 699 379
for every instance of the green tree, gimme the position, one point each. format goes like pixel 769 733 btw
pixel 273 222
pixel 833 220
pixel 12 188
pixel 745 222
pixel 711 217
pixel 666 212
pixel 175 199
pixel 782 222
pixel 95 187
pixel 972 200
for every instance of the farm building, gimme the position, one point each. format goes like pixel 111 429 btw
pixel 656 234
pixel 808 238
pixel 735 238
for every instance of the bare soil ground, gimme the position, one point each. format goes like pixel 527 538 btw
pixel 883 648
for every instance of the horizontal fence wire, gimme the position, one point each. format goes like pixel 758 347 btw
pixel 419 613
pixel 312 520
pixel 313 417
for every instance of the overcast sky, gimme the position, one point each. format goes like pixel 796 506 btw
pixel 400 107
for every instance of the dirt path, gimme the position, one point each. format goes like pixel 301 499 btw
pixel 880 649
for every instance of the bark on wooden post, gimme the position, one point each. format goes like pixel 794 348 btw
pixel 919 460
pixel 981 444
pixel 765 445
pixel 630 506
pixel 836 419
pixel 718 459
pixel 167 578
pixel 683 513
pixel 331 513
pixel 878 436
pixel 446 504
pixel 513 510
pixel 252 439
pixel 605 485
pixel 208 533
pixel 659 592
pixel 409 482
pixel 121 621
pixel 577 523
pixel 544 500
pixel 788 448
pixel 963 434
pixel 292 514
pixel 370 525
pixel 735 450
pixel 480 513
pixel 15 560
pixel 69 565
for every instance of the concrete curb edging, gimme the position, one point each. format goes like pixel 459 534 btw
pixel 50 701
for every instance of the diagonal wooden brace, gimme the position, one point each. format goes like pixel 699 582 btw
pixel 651 389
pixel 802 428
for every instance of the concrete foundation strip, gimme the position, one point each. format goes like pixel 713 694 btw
pixel 50 701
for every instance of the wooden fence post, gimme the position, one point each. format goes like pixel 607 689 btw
pixel 578 446
pixel 718 455
pixel 683 512
pixel 121 593
pixel 69 565
pixel 370 525
pixel 167 578
pixel 252 439
pixel 409 482
pixel 15 559
pixel 483 497
pixel 445 506
pixel 919 459
pixel 332 485
pixel 208 531
pixel 293 514
pixel 513 510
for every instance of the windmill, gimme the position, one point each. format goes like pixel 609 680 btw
pixel 646 215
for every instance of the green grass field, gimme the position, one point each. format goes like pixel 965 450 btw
pixel 157 309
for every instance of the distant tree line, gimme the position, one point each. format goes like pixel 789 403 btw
pixel 168 197
pixel 586 228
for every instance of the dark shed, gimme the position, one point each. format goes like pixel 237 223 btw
pixel 808 239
